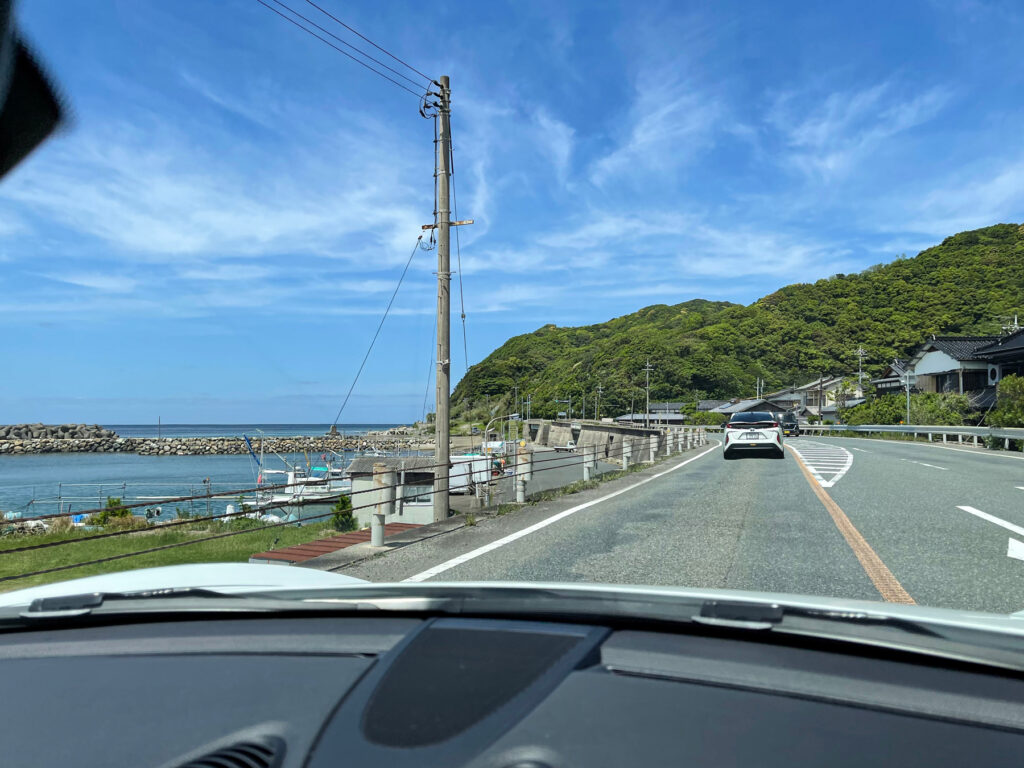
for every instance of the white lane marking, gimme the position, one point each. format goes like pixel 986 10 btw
pixel 923 464
pixel 1015 549
pixel 826 463
pixel 475 553
pixel 993 519
pixel 859 449
pixel 1019 487
pixel 975 451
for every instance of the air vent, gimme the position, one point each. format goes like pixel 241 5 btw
pixel 266 753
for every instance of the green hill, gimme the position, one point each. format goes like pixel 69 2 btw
pixel 705 349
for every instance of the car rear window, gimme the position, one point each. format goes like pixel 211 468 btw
pixel 751 419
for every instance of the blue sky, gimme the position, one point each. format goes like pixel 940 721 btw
pixel 215 235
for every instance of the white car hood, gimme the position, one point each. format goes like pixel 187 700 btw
pixel 218 577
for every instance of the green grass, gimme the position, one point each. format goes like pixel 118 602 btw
pixel 235 549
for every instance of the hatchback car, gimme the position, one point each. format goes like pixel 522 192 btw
pixel 756 431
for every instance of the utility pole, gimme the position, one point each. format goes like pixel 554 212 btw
pixel 597 406
pixel 442 424
pixel 647 413
pixel 821 394
pixel 861 354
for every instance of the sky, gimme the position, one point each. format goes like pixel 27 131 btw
pixel 215 234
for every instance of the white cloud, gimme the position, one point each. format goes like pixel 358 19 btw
pixel 99 281
pixel 827 138
pixel 670 123
pixel 556 142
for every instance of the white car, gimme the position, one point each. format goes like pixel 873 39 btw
pixel 756 431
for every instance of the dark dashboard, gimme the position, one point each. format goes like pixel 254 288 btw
pixel 263 692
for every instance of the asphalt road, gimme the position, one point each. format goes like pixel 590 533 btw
pixel 759 524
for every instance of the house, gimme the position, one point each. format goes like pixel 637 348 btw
pixel 891 379
pixel 709 405
pixel 1003 357
pixel 414 496
pixel 824 391
pixel 667 407
pixel 952 364
pixel 753 404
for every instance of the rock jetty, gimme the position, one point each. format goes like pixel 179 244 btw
pixel 22 439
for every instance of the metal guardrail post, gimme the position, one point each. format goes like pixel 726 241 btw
pixel 975 441
pixel 943 438
pixel 960 439
pixel 384 483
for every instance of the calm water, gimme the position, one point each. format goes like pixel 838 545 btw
pixel 85 480
pixel 237 430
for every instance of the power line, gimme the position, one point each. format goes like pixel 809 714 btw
pixel 364 37
pixel 349 45
pixel 379 326
pixel 339 50
pixel 458 253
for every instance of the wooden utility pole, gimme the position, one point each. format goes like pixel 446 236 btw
pixel 442 423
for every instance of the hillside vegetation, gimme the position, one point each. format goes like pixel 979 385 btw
pixel 705 349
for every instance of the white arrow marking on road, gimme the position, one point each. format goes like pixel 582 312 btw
pixel 1015 549
pixel 993 519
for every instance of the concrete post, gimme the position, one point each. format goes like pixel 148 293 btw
pixel 520 491
pixel 587 453
pixel 975 441
pixel 384 485
pixel 652 444
pixel 627 453
pixel 527 467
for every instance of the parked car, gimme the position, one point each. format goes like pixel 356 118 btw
pixel 756 431
pixel 790 425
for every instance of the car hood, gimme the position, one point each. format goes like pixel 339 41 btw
pixel 234 578
pixel 216 577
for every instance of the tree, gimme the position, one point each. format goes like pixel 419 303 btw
pixel 1009 410
pixel 342 519
pixel 113 510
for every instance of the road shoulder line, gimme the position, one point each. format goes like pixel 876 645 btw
pixel 883 579
pixel 475 553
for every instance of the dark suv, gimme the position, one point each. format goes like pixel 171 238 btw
pixel 790 425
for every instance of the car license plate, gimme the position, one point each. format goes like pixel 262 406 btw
pixel 752 436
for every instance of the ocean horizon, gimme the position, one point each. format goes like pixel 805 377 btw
pixel 237 430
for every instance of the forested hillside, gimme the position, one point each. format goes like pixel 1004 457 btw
pixel 703 349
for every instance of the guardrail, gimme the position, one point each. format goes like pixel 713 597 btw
pixel 1004 433
pixel 932 431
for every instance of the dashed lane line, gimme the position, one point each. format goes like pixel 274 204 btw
pixel 475 553
pixel 925 464
pixel 885 582
pixel 993 519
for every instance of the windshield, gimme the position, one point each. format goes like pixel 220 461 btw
pixel 527 299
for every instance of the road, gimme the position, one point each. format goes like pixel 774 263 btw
pixel 844 517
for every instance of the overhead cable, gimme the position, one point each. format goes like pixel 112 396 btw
pixel 379 326
pixel 364 37
pixel 332 45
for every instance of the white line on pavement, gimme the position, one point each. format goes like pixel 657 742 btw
pixel 473 554
pixel 976 451
pixel 923 464
pixel 1015 549
pixel 1019 487
pixel 993 519
pixel 859 449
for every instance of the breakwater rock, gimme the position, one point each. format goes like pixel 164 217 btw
pixel 54 432
pixel 203 446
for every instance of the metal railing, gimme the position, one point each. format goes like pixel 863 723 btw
pixel 929 430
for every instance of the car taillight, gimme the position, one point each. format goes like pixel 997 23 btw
pixel 775 423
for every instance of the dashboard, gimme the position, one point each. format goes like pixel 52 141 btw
pixel 494 693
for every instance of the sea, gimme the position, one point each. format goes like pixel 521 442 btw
pixel 39 484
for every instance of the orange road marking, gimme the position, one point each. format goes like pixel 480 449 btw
pixel 887 584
